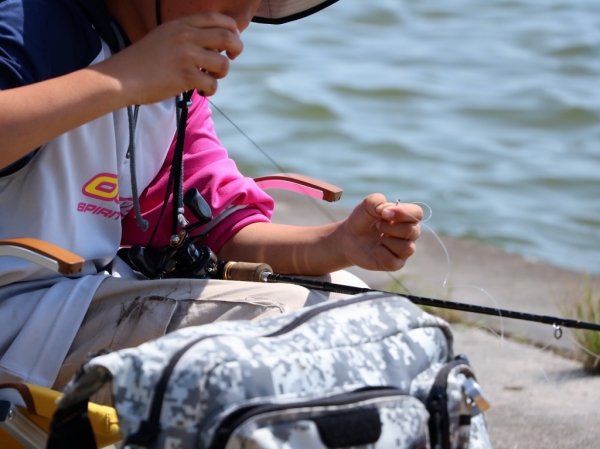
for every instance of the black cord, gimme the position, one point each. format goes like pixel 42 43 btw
pixel 158 15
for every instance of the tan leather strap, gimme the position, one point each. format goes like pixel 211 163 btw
pixel 330 192
pixel 43 253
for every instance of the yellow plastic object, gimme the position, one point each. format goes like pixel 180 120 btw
pixel 103 419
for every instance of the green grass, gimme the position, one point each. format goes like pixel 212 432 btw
pixel 587 308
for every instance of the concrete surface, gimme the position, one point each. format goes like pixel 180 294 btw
pixel 539 399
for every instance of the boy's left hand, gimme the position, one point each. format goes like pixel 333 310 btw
pixel 379 235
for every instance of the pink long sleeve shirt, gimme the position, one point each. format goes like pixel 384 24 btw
pixel 214 174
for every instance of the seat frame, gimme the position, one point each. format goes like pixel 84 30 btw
pixel 20 427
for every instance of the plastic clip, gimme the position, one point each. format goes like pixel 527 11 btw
pixel 184 104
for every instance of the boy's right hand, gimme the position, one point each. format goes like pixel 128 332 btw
pixel 167 61
pixel 161 65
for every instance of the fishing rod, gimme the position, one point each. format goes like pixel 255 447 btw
pixel 186 258
pixel 243 271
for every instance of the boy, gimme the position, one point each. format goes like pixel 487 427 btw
pixel 69 139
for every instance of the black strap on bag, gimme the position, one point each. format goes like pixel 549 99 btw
pixel 349 428
pixel 437 406
pixel 70 428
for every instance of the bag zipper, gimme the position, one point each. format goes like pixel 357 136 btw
pixel 237 418
pixel 149 429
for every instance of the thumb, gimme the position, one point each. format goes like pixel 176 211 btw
pixel 375 204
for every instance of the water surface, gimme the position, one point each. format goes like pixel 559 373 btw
pixel 488 111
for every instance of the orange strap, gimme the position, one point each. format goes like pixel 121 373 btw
pixel 329 192
pixel 68 263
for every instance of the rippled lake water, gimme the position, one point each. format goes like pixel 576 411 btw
pixel 488 111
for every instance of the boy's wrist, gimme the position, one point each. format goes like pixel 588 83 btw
pixel 332 247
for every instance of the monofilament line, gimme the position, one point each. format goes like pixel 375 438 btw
pixel 279 167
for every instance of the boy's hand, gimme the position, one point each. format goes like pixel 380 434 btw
pixel 167 61
pixel 379 235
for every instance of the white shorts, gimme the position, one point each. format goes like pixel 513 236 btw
pixel 126 313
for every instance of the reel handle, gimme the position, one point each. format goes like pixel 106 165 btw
pixel 197 206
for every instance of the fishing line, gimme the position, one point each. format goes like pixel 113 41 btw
pixel 424 220
pixel 445 282
pixel 331 218
pixel 448 263
pixel 489 295
pixel 583 348
pixel 559 392
pixel 279 167
pixel 516 348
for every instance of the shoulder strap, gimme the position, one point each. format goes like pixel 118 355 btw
pixel 437 406
pixel 70 427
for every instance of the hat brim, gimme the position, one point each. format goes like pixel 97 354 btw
pixel 276 12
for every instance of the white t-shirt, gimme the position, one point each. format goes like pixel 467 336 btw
pixel 72 192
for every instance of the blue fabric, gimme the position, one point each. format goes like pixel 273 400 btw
pixel 43 39
pixel 40 40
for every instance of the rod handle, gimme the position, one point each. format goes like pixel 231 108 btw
pixel 246 271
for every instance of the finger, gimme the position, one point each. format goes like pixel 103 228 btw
pixel 402 212
pixel 373 204
pixel 399 248
pixel 406 231
pixel 205 83
pixel 214 66
pixel 387 260
pixel 224 34
pixel 211 19
pixel 218 40
pixel 211 62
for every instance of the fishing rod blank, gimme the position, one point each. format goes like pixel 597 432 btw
pixel 252 272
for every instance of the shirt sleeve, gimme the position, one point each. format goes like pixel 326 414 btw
pixel 43 39
pixel 40 40
pixel 209 169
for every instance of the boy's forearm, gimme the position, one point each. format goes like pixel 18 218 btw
pixel 161 65
pixel 377 235
pixel 33 115
pixel 288 249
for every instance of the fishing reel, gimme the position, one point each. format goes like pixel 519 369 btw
pixel 183 257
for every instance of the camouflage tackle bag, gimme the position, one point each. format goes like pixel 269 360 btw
pixel 372 371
